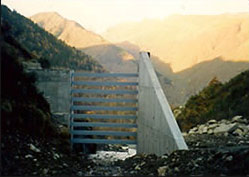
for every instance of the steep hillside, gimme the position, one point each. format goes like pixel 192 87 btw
pixel 22 106
pixel 217 101
pixel 31 144
pixel 184 41
pixel 43 45
pixel 196 78
pixel 110 56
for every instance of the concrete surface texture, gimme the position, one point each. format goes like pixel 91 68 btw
pixel 158 131
pixel 55 86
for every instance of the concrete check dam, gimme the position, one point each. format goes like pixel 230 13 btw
pixel 113 108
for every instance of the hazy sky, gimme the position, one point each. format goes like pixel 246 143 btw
pixel 98 15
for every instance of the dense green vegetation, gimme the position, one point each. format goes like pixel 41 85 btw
pixel 22 106
pixel 217 101
pixel 44 46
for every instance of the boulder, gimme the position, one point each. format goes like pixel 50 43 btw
pixel 200 128
pixel 162 170
pixel 191 131
pixel 212 126
pixel 225 128
pixel 244 128
pixel 211 122
pixel 45 171
pixel 239 119
pixel 79 173
pixel 238 132
pixel 224 121
pixel 205 130
pixel 33 148
pixel 236 119
pixel 184 133
pixel 210 131
pixel 28 156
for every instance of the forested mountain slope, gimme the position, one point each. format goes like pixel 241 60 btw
pixel 42 44
pixel 217 101
pixel 113 58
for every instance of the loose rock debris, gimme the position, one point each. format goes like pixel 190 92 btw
pixel 217 153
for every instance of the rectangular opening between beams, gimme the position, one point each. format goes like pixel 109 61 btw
pixel 103 133
pixel 102 116
pixel 104 100
pixel 92 83
pixel 78 74
pixel 102 124
pixel 99 91
pixel 103 141
pixel 103 108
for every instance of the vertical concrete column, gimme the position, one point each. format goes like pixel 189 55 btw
pixel 158 131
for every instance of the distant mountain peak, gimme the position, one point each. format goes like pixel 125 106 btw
pixel 51 13
pixel 42 45
pixel 69 31
pixel 186 40
pixel 110 56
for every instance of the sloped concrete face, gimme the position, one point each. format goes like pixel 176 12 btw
pixel 158 131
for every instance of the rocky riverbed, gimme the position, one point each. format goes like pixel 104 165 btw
pixel 211 152
pixel 215 148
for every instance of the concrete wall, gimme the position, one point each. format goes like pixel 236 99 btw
pixel 55 85
pixel 158 131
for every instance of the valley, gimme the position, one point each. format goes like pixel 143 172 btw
pixel 183 64
pixel 113 58
pixel 186 40
pixel 202 63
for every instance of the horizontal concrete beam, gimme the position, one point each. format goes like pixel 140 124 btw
pixel 158 131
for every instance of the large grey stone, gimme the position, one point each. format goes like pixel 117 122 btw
pixel 211 121
pixel 236 119
pixel 238 132
pixel 33 148
pixel 212 126
pixel 162 170
pixel 210 131
pixel 191 131
pixel 205 130
pixel 243 127
pixel 225 128
pixel 201 127
pixel 223 121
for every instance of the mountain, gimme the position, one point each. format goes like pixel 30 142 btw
pixel 192 80
pixel 160 66
pixel 217 101
pixel 178 87
pixel 67 30
pixel 44 46
pixel 113 58
pixel 23 107
pixel 186 40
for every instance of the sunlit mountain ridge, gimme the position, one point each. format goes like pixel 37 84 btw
pixel 110 56
pixel 186 40
pixel 197 45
